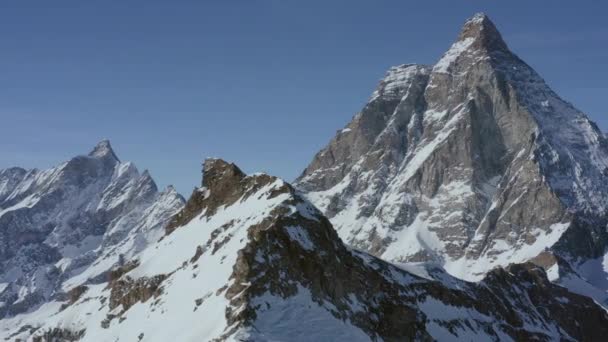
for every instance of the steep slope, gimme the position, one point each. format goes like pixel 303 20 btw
pixel 74 222
pixel 248 259
pixel 472 163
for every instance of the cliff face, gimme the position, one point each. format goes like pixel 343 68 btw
pixel 255 261
pixel 471 169
pixel 72 223
pixel 471 163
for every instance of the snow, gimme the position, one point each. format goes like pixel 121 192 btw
pixel 383 204
pixel 477 18
pixel 419 238
pixel 433 115
pixel 443 65
pixel 590 278
pixel 439 312
pixel 569 147
pixel 398 79
pixel 553 272
pixel 421 154
pixel 96 208
pixel 296 318
pixel 291 319
pixel 299 235
pixel 27 202
pixel 503 253
pixel 182 288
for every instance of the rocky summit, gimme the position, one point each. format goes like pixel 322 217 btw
pixel 249 259
pixel 470 164
pixel 465 202
pixel 70 224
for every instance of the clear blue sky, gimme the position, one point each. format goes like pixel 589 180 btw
pixel 262 83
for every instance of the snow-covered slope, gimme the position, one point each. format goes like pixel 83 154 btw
pixel 70 224
pixel 249 259
pixel 471 163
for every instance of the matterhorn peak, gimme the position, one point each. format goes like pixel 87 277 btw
pixel 479 40
pixel 484 34
pixel 477 165
pixel 103 149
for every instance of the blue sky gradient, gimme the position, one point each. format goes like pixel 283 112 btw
pixel 265 84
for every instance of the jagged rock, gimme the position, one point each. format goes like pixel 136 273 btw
pixel 223 184
pixel 454 159
pixel 268 265
pixel 472 163
pixel 126 292
pixel 59 335
pixel 62 226
pixel 74 295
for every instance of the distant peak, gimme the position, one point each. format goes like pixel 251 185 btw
pixel 170 189
pixel 103 149
pixel 480 28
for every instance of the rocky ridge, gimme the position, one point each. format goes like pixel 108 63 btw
pixel 70 224
pixel 470 164
pixel 255 261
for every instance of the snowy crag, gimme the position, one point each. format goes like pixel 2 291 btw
pixel 70 224
pixel 470 164
pixel 466 201
pixel 249 259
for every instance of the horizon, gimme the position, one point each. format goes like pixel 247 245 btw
pixel 166 103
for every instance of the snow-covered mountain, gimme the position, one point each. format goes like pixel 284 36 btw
pixel 249 259
pixel 470 164
pixel 468 170
pixel 70 224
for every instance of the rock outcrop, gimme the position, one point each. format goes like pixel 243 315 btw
pixel 257 262
pixel 70 224
pixel 472 163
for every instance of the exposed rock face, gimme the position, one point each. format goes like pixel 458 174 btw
pixel 260 263
pixel 472 163
pixel 58 335
pixel 223 184
pixel 63 226
pixel 126 292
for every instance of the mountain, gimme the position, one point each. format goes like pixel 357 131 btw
pixel 70 224
pixel 470 164
pixel 249 259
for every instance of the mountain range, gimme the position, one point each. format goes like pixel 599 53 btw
pixel 466 201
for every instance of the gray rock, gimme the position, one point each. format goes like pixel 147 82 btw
pixel 56 223
pixel 473 163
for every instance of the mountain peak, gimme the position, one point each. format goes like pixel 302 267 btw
pixel 480 28
pixel 216 170
pixel 103 149
pixel 223 184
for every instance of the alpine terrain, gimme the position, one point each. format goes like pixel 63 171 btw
pixel 72 223
pixel 249 259
pixel 467 201
pixel 470 164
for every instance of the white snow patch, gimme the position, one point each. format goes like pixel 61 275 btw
pixel 299 235
pixel 452 54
